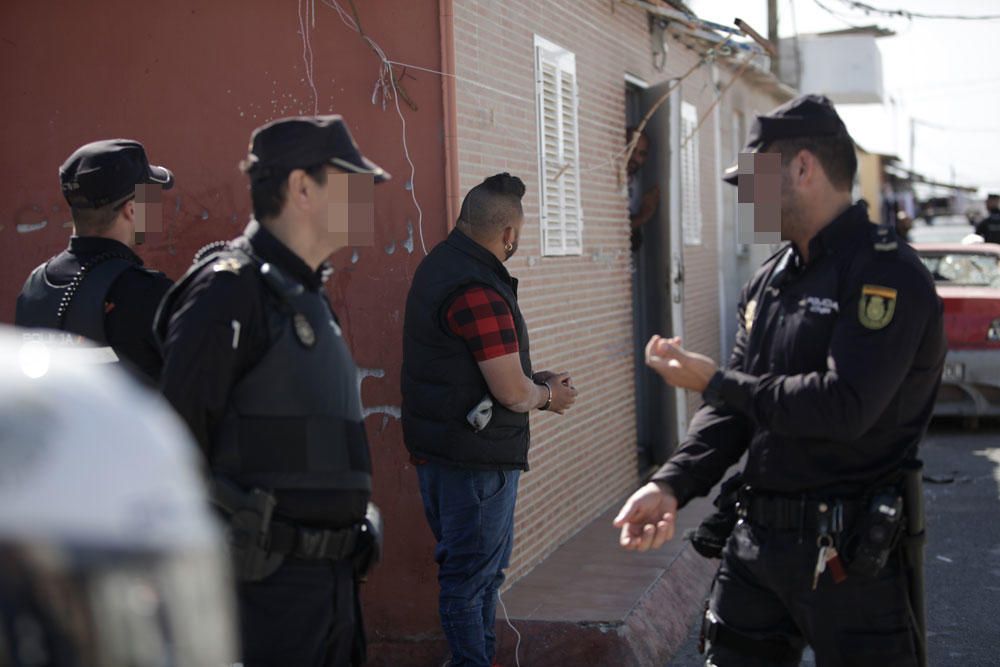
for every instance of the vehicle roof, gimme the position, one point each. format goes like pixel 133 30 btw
pixel 971 248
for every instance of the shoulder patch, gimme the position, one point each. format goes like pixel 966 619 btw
pixel 230 264
pixel 876 306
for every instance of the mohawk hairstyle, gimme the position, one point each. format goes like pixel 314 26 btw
pixel 492 205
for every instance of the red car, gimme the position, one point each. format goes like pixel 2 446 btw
pixel 968 281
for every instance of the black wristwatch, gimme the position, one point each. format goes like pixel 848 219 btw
pixel 713 390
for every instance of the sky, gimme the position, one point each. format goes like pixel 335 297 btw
pixel 944 73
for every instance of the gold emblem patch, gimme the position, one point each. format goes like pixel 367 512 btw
pixel 876 307
pixel 748 314
pixel 230 264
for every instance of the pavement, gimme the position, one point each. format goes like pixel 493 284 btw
pixel 591 602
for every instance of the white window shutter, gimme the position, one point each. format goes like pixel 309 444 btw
pixel 561 217
pixel 690 181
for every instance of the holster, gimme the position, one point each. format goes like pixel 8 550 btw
pixel 709 538
pixel 259 543
pixel 248 529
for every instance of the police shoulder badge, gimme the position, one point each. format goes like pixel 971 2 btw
pixel 876 307
pixel 303 330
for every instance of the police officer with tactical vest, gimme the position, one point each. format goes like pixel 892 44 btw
pixel 256 363
pixel 98 287
pixel 828 392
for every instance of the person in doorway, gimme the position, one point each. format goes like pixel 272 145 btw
pixel 641 204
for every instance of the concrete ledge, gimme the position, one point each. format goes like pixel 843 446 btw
pixel 593 603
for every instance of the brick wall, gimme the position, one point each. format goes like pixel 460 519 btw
pixel 578 308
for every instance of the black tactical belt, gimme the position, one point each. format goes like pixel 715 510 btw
pixel 312 543
pixel 789 513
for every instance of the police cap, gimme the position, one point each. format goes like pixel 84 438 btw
pixel 305 141
pixel 106 172
pixel 804 116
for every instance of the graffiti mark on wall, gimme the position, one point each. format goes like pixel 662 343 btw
pixel 27 228
pixel 387 411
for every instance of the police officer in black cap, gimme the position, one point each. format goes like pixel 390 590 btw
pixel 98 286
pixel 828 392
pixel 256 364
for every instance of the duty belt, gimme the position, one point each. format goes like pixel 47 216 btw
pixel 796 513
pixel 311 543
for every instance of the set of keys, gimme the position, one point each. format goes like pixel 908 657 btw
pixel 828 556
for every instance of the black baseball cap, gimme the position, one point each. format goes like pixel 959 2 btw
pixel 106 172
pixel 304 141
pixel 805 116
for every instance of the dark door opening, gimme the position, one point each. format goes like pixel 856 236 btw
pixel 655 408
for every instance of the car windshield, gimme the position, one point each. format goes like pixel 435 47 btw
pixel 963 268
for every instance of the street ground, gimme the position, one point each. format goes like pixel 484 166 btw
pixel 962 499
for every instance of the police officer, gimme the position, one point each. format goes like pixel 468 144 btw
pixel 989 227
pixel 98 286
pixel 256 364
pixel 828 391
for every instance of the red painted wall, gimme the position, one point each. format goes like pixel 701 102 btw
pixel 190 80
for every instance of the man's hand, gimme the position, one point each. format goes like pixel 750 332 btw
pixel 680 368
pixel 650 200
pixel 563 391
pixel 542 376
pixel 647 518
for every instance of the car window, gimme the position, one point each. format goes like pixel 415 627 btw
pixel 969 269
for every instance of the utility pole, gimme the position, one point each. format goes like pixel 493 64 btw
pixel 772 34
pixel 913 132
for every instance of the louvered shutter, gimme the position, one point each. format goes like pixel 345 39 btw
pixel 690 181
pixel 561 217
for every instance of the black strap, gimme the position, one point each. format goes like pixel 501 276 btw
pixel 102 271
pixel 311 543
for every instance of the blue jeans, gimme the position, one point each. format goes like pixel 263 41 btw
pixel 471 513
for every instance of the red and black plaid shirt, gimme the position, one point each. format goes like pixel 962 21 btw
pixel 481 317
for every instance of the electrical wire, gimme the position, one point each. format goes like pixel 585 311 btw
pixel 906 13
pixel 307 52
pixel 385 69
pixel 835 14
pixel 517 647
pixel 718 98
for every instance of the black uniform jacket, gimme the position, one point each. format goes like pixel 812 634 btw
pixel 130 304
pixel 214 331
pixel 833 375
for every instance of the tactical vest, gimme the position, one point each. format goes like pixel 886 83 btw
pixel 294 421
pixel 76 307
pixel 441 381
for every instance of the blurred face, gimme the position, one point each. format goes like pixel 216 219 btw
pixel 765 199
pixel 148 211
pixel 993 203
pixel 639 155
pixel 349 211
